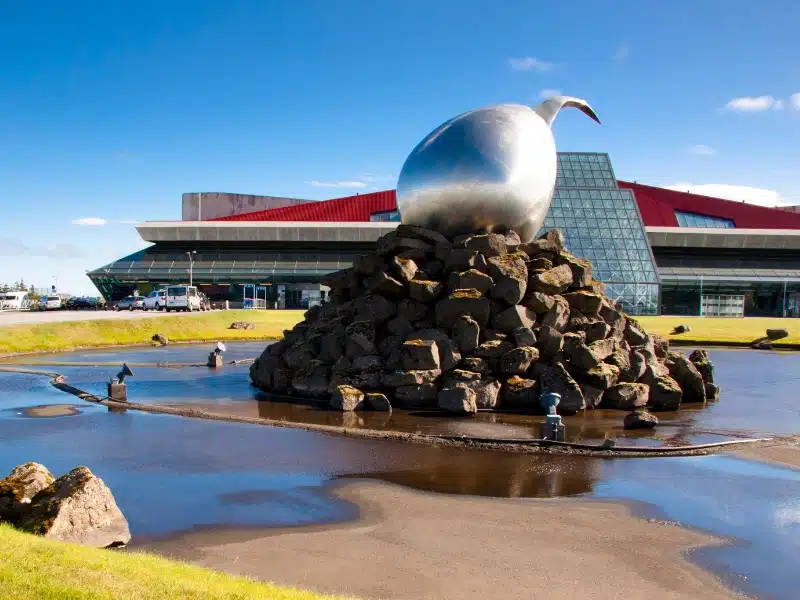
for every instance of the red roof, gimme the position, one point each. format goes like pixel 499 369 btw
pixel 658 207
pixel 351 208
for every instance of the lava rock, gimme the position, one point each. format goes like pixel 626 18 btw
pixel 519 394
pixel 19 487
pixel 346 398
pixel 514 317
pixel 592 396
pixel 634 334
pixel 585 302
pixel 549 341
pixel 639 420
pixel 424 291
pixel 540 303
pixel 400 378
pixel 462 302
pixel 471 279
pixel 367 264
pixel 385 284
pixel 580 267
pixel 478 365
pixel 416 396
pixel 688 377
pixel 374 307
pixel 355 346
pixel 421 233
pixel 466 334
pixel 365 328
pixel 518 360
pixel 488 244
pixel 77 508
pixel 420 355
pixel 493 349
pixel 377 401
pixel 777 334
pixel 163 340
pixel 702 363
pixel 627 396
pixel 461 259
pixel 404 269
pixel 556 379
pixel 665 394
pixel 449 354
pixel 510 276
pixel 457 400
pixel 603 376
pixel 558 316
pixel 552 281
pixel 681 329
pixel 524 336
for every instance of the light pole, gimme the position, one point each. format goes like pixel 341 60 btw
pixel 191 264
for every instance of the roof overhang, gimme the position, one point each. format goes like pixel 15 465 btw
pixel 699 237
pixel 261 231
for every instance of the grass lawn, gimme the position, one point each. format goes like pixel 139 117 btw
pixel 709 330
pixel 211 326
pixel 33 567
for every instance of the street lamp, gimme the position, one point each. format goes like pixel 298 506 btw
pixel 191 264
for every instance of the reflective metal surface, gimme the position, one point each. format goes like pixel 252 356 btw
pixel 493 168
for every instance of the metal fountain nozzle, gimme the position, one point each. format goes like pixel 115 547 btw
pixel 125 372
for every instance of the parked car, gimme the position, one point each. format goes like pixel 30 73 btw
pixel 131 303
pixel 183 297
pixel 50 303
pixel 76 303
pixel 157 300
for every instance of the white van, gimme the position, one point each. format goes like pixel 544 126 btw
pixel 183 297
pixel 50 303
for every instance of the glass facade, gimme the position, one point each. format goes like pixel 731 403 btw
pixel 388 216
pixel 602 224
pixel 687 219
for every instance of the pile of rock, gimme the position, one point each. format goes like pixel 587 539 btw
pixel 77 507
pixel 476 322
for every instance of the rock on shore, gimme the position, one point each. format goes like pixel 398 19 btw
pixel 476 322
pixel 77 507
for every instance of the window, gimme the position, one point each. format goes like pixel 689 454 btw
pixel 393 216
pixel 687 219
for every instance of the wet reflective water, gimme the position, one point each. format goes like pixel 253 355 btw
pixel 171 474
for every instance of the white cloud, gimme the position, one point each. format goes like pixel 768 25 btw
pixel 90 221
pixel 336 184
pixel 530 63
pixel 794 100
pixel 701 150
pixel 622 52
pixel 99 222
pixel 545 94
pixel 754 104
pixel 737 193
pixel 376 178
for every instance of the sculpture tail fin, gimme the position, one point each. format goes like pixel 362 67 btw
pixel 550 107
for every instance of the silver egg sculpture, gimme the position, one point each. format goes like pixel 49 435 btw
pixel 489 169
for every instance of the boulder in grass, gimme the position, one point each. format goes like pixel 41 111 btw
pixel 77 508
pixel 777 334
pixel 19 487
pixel 162 340
pixel 640 419
pixel 681 329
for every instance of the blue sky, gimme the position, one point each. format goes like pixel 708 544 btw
pixel 109 111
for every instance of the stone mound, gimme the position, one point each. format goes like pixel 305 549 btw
pixel 476 322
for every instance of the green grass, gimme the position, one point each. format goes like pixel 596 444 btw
pixel 722 330
pixel 212 326
pixel 33 567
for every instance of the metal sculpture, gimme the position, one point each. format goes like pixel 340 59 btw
pixel 492 169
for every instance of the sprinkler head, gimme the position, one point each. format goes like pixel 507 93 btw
pixel 125 372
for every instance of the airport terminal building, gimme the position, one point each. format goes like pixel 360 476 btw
pixel 657 250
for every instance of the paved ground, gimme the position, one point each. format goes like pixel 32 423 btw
pixel 412 546
pixel 56 316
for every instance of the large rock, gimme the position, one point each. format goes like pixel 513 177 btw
pixel 639 419
pixel 518 360
pixel 396 379
pixel 524 336
pixel 486 390
pixel 558 316
pixel 702 363
pixel 553 281
pixel 470 280
pixel 466 334
pixel 586 303
pixel 462 302
pixel 19 487
pixel 420 355
pixel 665 394
pixel 627 396
pixel 367 264
pixel 549 341
pixel 457 400
pixel 688 377
pixel 424 290
pixel 519 394
pixel 374 307
pixel 514 317
pixel 461 259
pixel 602 377
pixel 488 244
pixel 556 379
pixel 592 396
pixel 355 346
pixel 510 276
pixel 586 357
pixel 347 398
pixel 404 269
pixel 449 354
pixel 377 401
pixel 539 303
pixel 416 396
pixel 493 349
pixel 477 365
pixel 384 284
pixel 421 233
pixel 777 334
pixel 580 267
pixel 77 508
